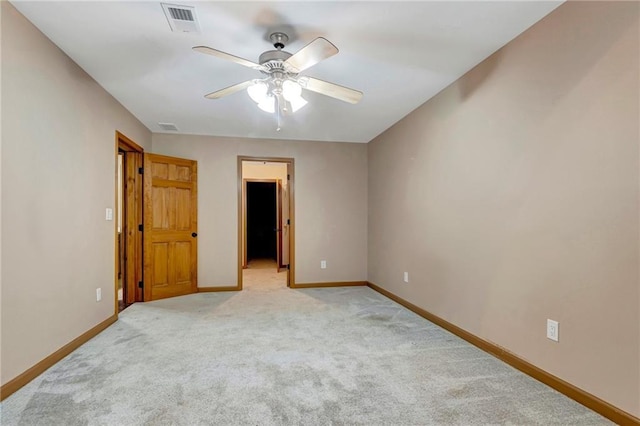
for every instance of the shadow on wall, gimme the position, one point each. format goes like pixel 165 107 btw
pixel 570 63
pixel 473 80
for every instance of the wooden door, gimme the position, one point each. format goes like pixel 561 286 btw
pixel 278 224
pixel 170 227
pixel 132 218
pixel 284 209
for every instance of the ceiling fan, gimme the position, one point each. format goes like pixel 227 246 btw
pixel 281 90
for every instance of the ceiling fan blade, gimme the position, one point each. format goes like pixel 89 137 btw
pixel 222 55
pixel 330 89
pixel 314 52
pixel 229 90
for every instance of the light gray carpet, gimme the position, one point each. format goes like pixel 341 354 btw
pixel 273 356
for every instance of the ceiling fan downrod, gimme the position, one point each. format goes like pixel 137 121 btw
pixel 278 39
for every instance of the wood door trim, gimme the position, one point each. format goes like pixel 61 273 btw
pixel 133 245
pixel 291 186
pixel 127 144
pixel 279 227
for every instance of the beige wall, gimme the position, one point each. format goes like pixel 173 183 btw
pixel 512 197
pixel 260 170
pixel 58 176
pixel 330 204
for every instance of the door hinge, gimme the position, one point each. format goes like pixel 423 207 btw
pixel 288 221
pixel 140 284
pixel 288 177
pixel 140 228
pixel 140 170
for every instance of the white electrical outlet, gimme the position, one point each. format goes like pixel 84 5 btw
pixel 552 330
pixel 108 214
pixel 323 264
pixel 98 294
pixel 405 278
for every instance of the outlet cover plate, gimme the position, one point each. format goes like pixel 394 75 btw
pixel 552 330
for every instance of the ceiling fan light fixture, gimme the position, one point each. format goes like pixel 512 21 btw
pixel 281 91
pixel 297 103
pixel 258 91
pixel 291 90
pixel 268 104
pixel 292 93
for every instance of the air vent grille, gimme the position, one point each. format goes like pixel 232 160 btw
pixel 182 19
pixel 181 14
pixel 169 127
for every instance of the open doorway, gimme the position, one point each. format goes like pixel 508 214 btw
pixel 262 222
pixel 263 235
pixel 266 225
pixel 128 274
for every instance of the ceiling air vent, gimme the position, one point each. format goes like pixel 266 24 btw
pixel 182 19
pixel 169 127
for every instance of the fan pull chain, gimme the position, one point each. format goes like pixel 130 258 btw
pixel 278 114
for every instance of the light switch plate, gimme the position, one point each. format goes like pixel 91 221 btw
pixel 109 214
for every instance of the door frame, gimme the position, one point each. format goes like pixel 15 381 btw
pixel 131 218
pixel 241 213
pixel 245 241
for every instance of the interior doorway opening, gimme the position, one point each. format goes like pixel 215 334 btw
pixel 266 225
pixel 262 222
pixel 128 270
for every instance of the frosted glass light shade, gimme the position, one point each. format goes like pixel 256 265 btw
pixel 258 92
pixel 291 90
pixel 268 104
pixel 292 93
pixel 297 103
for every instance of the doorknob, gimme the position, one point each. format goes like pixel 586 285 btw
pixel 194 234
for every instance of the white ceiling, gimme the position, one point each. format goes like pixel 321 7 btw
pixel 399 54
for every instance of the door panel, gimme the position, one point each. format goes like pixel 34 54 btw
pixel 183 264
pixel 160 264
pixel 183 212
pixel 170 219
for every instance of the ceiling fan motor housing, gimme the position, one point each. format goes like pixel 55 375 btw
pixel 273 60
